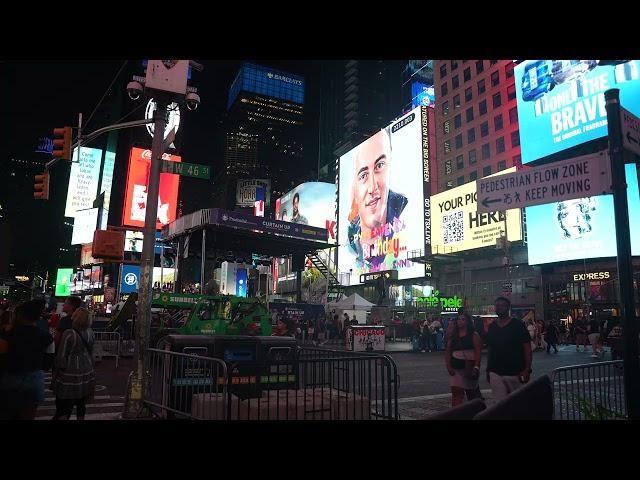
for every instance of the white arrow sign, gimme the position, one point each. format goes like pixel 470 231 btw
pixel 577 177
pixel 630 131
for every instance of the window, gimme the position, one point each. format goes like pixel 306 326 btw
pixel 500 145
pixel 513 115
pixel 444 89
pixel 471 135
pixel 495 78
pixel 468 94
pixel 469 114
pixel 447 146
pixel 445 108
pixel 515 138
pixel 497 100
pixel 446 126
pixel 493 62
pixel 460 179
pixel 459 141
pixel 481 87
pixel 497 122
pixel 486 171
pixel 511 92
pixel 517 160
pixel 502 164
pixel 447 167
pixel 472 156
pixel 460 162
pixel 484 129
pixel 508 69
pixel 455 82
pixel 456 101
pixel 457 121
pixel 467 74
pixel 485 151
pixel 479 66
pixel 482 107
pixel 443 70
pixel 454 65
pixel 473 175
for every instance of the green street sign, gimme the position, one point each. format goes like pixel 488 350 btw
pixel 186 169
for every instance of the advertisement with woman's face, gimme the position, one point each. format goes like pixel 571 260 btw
pixel 381 206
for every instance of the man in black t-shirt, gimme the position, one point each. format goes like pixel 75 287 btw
pixel 509 343
pixel 594 337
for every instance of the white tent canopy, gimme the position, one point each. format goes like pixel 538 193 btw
pixel 352 302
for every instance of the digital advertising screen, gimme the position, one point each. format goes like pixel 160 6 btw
pixel 96 276
pixel 107 177
pixel 84 224
pixel 163 275
pixel 64 282
pixel 130 279
pixel 133 241
pixel 456 224
pixel 422 95
pixel 83 180
pixel 561 102
pixel 581 228
pixel 86 257
pixel 135 203
pixel 382 212
pixel 311 203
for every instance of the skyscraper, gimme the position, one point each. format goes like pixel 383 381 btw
pixel 476 118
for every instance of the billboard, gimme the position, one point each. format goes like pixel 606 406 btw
pixel 135 202
pixel 86 257
pixel 314 205
pixel 382 211
pixel 581 228
pixel 422 95
pixel 107 177
pixel 63 282
pixel 162 276
pixel 561 102
pixel 83 180
pixel 84 225
pixel 267 81
pixel 246 192
pixel 133 242
pixel 129 279
pixel 456 224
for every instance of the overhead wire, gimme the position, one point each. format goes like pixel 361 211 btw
pixel 106 92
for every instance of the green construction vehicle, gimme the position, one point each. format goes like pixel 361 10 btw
pixel 186 314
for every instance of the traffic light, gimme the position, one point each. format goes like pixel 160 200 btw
pixel 41 187
pixel 62 143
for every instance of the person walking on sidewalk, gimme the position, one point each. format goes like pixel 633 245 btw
pixel 74 382
pixel 552 337
pixel 509 359
pixel 594 337
pixel 581 333
pixel 462 358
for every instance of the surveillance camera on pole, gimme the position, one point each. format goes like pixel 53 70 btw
pixel 166 81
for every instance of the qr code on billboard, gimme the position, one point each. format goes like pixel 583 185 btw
pixel 453 227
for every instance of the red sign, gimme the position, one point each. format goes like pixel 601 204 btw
pixel 135 202
pixel 108 244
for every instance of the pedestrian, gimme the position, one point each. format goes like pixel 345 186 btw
pixel 562 333
pixel 23 351
pixel 509 358
pixel 437 335
pixel 285 327
pixel 594 337
pixel 426 336
pixel 581 333
pixel 71 304
pixel 552 337
pixel 531 329
pixel 462 358
pixel 74 381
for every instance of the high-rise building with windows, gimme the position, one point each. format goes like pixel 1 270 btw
pixel 476 119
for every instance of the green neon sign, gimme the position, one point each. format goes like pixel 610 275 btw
pixel 435 300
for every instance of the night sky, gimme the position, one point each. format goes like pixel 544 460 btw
pixel 42 95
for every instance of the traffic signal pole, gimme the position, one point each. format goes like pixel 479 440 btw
pixel 138 385
pixel 625 267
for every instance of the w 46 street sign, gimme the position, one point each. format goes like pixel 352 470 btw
pixel 186 169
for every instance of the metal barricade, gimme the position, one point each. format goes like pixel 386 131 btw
pixel 106 344
pixel 187 385
pixel 593 391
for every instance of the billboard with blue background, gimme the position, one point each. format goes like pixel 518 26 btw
pixel 267 81
pixel 561 102
pixel 581 228
pixel 130 278
pixel 422 95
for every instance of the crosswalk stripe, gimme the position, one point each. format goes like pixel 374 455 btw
pixel 92 416
pixel 98 397
pixel 52 408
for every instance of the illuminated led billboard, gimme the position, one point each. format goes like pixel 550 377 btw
pixel 135 203
pixel 561 102
pixel 384 187
pixel 311 203
pixel 581 228
pixel 83 180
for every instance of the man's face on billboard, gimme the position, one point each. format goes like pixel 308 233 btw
pixel 296 201
pixel 574 217
pixel 371 184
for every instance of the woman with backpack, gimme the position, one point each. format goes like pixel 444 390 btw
pixel 74 381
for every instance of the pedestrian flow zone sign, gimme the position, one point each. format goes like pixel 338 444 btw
pixel 578 177
pixel 630 131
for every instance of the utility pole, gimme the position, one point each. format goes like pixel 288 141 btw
pixel 625 267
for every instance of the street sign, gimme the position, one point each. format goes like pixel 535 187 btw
pixel 186 169
pixel 630 131
pixel 578 177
